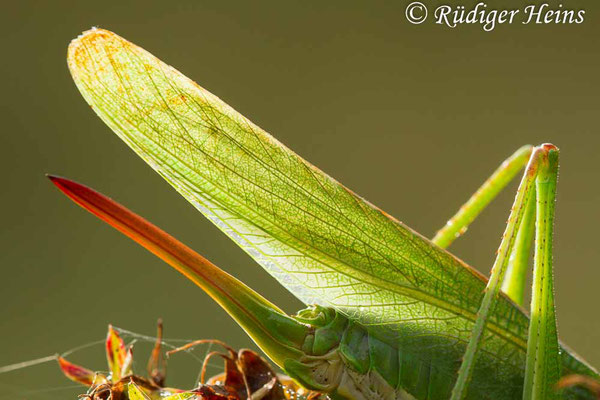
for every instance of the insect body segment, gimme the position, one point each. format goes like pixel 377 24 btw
pixel 347 360
pixel 343 359
pixel 397 311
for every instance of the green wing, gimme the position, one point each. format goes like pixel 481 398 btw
pixel 320 240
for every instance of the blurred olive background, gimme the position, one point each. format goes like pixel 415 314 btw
pixel 412 117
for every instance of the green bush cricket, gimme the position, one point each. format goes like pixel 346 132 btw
pixel 392 314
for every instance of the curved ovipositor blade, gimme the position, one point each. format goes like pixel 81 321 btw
pixel 278 335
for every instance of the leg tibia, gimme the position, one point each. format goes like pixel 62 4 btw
pixel 543 360
pixel 518 263
pixel 482 197
pixel 524 193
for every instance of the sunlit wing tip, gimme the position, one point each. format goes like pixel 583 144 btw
pixel 90 39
